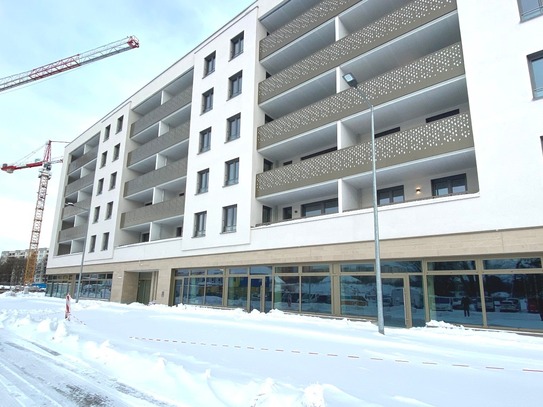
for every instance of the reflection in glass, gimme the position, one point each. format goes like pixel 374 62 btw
pixel 401 266
pixel 213 291
pixel 286 293
pixel 451 265
pixel 237 292
pixel 517 300
pixel 504 264
pixel 455 299
pixel 316 294
pixel 416 293
pixel 393 302
pixel 357 295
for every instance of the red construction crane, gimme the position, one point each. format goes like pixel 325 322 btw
pixel 36 74
pixel 45 175
pixel 72 62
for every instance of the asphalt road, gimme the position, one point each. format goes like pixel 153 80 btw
pixel 32 375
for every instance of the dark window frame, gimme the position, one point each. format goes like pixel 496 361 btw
pixel 235 85
pixel 209 63
pixel 526 15
pixel 229 218
pixel 207 100
pixel 389 193
pixel 205 140
pixel 233 127
pixel 450 184
pixel 236 45
pixel 231 172
pixel 536 76
pixel 202 185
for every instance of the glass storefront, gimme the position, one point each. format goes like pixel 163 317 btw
pixel 493 292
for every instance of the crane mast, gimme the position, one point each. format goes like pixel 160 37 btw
pixel 68 63
pixel 36 74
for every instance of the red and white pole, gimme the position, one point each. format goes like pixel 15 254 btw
pixel 68 310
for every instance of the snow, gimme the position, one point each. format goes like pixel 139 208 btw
pixel 193 356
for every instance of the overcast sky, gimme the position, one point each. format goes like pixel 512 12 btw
pixel 35 33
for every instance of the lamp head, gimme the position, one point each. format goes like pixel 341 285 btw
pixel 351 80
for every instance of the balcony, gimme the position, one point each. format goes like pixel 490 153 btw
pixel 71 211
pixel 158 177
pixel 408 18
pixel 169 107
pixel 77 232
pixel 159 144
pixel 437 138
pixel 433 69
pixel 83 160
pixel 303 24
pixel 79 184
pixel 151 213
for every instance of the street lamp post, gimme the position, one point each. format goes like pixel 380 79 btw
pixel 82 258
pixel 353 83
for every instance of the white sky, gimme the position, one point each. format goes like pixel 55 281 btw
pixel 35 33
pixel 190 356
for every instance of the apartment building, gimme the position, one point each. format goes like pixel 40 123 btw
pixel 41 263
pixel 242 175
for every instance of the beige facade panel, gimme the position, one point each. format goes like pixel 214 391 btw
pixel 79 184
pixel 83 160
pixel 151 213
pixel 163 111
pixel 158 144
pixel 439 137
pixel 163 175
pixel 303 24
pixel 401 21
pixel 433 69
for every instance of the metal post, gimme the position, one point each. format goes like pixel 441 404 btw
pixel 352 82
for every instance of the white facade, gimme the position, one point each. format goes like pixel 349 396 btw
pixel 452 85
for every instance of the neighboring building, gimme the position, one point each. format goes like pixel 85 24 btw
pixel 241 176
pixel 41 262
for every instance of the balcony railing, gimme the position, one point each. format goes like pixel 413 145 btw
pixel 79 184
pixel 158 144
pixel 77 232
pixel 157 177
pixel 430 70
pixel 439 137
pixel 397 23
pixel 82 207
pixel 84 159
pixel 164 110
pixel 163 210
pixel 301 25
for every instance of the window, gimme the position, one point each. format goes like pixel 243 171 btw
pixel 234 85
pixel 200 224
pixel 105 241
pixel 328 150
pixel 100 186
pixel 231 172
pixel 236 46
pixel 387 132
pixel 209 64
pixel 233 129
pixel 320 208
pixel 390 195
pixel 96 214
pixel 92 244
pixel 109 210
pixel 442 115
pixel 229 218
pixel 144 237
pixel 536 71
pixel 203 181
pixel 530 9
pixel 106 132
pixel 268 165
pixel 112 180
pixel 119 124
pixel 456 184
pixel 266 214
pixel 287 213
pixel 179 231
pixel 116 151
pixel 103 160
pixel 205 140
pixel 207 101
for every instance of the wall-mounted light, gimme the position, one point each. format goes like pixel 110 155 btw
pixel 417 190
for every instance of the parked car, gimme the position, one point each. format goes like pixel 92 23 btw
pixel 533 305
pixel 510 305
pixel 489 304
pixel 457 303
pixel 443 303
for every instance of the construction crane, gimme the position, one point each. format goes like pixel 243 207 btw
pixel 44 176
pixel 33 75
pixel 72 62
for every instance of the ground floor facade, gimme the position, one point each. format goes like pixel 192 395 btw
pixel 471 282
